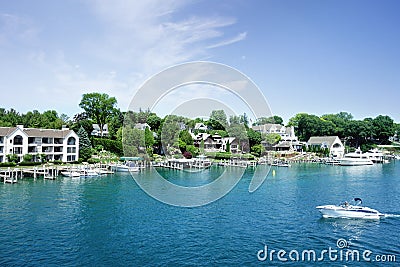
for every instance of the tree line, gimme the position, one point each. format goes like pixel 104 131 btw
pixel 376 130
pixel 170 135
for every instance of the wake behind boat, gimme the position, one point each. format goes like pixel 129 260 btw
pixel 346 210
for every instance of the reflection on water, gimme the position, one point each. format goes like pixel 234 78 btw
pixel 352 228
pixel 361 171
pixel 110 221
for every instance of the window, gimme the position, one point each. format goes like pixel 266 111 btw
pixel 71 141
pixel 18 140
pixel 71 150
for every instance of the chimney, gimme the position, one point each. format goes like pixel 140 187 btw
pixel 64 127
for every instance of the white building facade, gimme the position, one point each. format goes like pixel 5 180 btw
pixel 97 132
pixel 62 145
pixel 286 132
pixel 333 143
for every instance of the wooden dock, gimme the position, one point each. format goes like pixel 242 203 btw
pixel 12 175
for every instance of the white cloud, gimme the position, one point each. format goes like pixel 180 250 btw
pixel 238 38
pixel 16 29
pixel 126 43
pixel 149 34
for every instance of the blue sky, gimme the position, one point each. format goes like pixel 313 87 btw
pixel 305 55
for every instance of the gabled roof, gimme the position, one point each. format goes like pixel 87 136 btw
pixel 267 127
pixel 283 145
pixel 35 132
pixel 200 125
pixel 4 131
pixel 319 140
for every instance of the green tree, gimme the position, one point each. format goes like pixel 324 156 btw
pixel 154 122
pixel 272 138
pixel 257 150
pixel 239 132
pixel 218 120
pixel 143 115
pixel 85 146
pixel 193 150
pixel 99 107
pixel 170 133
pixel 383 128
pixel 274 120
pixel 186 137
pixel 133 141
pixel 254 137
pixel 82 120
pixel 114 123
pixel 149 138
pixel 234 120
pixel 339 121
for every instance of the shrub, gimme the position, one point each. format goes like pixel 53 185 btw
pixel 93 160
pixel 29 163
pixel 8 164
pixel 223 155
pixel 113 146
pixel 187 155
pixel 56 162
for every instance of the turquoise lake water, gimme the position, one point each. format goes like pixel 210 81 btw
pixel 111 221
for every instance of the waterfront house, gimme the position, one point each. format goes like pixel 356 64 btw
pixel 200 126
pixel 286 132
pixel 288 142
pixel 96 130
pixel 215 143
pixel 142 126
pixel 333 143
pixel 62 145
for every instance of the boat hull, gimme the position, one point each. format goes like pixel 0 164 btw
pixel 355 212
pixel 125 169
pixel 70 174
pixel 346 162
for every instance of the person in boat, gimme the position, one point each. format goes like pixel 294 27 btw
pixel 346 204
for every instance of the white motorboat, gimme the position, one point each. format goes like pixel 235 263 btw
pixel 347 210
pixel 71 173
pixel 88 173
pixel 127 167
pixel 202 161
pixel 283 164
pixel 356 158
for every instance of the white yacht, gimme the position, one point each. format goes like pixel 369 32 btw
pixel 355 158
pixel 375 155
pixel 346 210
